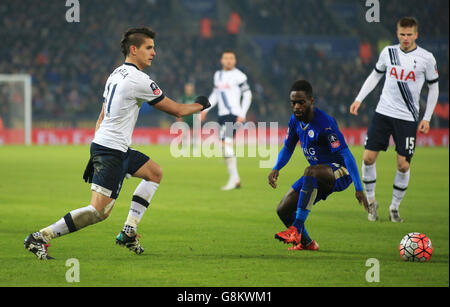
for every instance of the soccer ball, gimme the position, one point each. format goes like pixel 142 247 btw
pixel 415 246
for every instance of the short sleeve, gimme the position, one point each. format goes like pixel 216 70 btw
pixel 146 89
pixel 431 71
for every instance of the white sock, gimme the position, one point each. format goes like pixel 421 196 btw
pixel 73 221
pixel 369 177
pixel 57 229
pixel 401 182
pixel 232 168
pixel 141 199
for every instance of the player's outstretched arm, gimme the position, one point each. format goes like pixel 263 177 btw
pixel 171 107
pixel 213 100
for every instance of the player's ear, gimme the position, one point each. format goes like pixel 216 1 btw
pixel 133 49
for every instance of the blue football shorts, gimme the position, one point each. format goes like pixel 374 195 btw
pixel 342 181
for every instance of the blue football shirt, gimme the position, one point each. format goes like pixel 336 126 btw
pixel 320 140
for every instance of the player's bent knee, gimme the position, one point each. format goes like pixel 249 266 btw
pixel 157 175
pixel 312 172
pixel 151 172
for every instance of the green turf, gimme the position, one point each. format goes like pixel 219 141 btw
pixel 196 235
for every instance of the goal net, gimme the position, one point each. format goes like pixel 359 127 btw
pixel 15 109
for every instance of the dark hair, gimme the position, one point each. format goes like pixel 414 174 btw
pixel 302 85
pixel 408 22
pixel 228 51
pixel 135 37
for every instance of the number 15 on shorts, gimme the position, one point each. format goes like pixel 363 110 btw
pixel 410 142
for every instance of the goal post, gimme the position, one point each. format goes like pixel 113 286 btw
pixel 15 108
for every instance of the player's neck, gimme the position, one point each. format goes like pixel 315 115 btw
pixel 406 49
pixel 135 63
pixel 310 116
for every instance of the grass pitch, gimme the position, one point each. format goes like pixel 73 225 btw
pixel 196 235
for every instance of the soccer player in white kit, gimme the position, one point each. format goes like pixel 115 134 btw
pixel 233 96
pixel 111 160
pixel 406 67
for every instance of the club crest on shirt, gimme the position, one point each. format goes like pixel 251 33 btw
pixel 334 141
pixel 311 133
pixel 155 88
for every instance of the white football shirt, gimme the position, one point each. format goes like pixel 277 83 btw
pixel 229 86
pixel 405 74
pixel 125 91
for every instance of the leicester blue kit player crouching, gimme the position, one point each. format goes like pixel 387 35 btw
pixel 332 166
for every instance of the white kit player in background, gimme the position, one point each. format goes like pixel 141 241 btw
pixel 406 67
pixel 111 158
pixel 233 96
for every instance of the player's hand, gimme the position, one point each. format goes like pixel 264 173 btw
pixel 424 126
pixel 240 119
pixel 273 177
pixel 362 199
pixel 203 101
pixel 89 171
pixel 203 116
pixel 354 107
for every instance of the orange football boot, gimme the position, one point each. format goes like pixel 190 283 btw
pixel 313 246
pixel 290 235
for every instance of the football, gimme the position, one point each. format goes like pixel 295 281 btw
pixel 415 246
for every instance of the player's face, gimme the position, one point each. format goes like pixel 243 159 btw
pixel 301 105
pixel 228 61
pixel 189 89
pixel 407 37
pixel 145 53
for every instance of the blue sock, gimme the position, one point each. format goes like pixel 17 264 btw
pixel 299 223
pixel 306 198
pixel 306 239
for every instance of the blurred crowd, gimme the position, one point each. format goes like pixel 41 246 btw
pixel 69 62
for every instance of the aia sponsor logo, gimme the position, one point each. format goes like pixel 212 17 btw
pixel 402 75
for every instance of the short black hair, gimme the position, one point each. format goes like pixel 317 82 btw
pixel 135 37
pixel 408 22
pixel 302 85
pixel 228 51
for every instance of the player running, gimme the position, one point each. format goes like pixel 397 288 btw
pixel 406 67
pixel 111 160
pixel 233 96
pixel 332 166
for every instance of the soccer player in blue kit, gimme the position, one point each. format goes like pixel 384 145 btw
pixel 332 166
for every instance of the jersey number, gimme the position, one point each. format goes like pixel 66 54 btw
pixel 410 144
pixel 109 97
